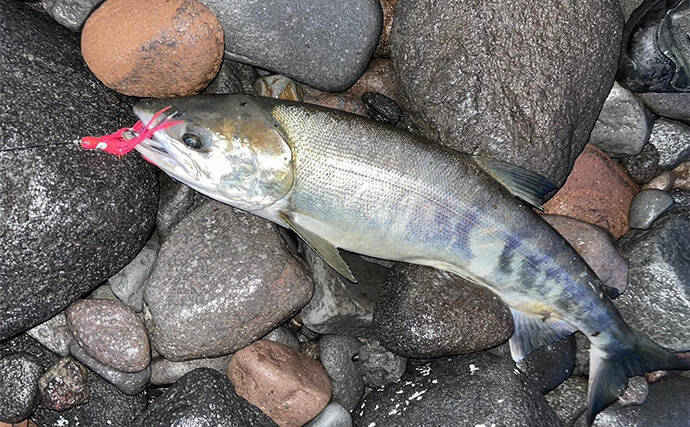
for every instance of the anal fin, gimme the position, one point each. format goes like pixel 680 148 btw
pixel 532 332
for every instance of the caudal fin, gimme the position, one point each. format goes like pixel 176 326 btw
pixel 608 373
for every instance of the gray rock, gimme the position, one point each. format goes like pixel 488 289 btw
pixel 130 383
pixel 672 139
pixel 338 354
pixel 283 335
pixel 644 166
pixel 503 87
pixel 53 334
pixel 548 366
pixel 381 108
pixel 128 283
pixel 70 13
pixel 468 390
pixel 103 292
pixel 322 43
pixel 69 218
pixel 646 207
pixel 674 106
pixel 176 201
pixel 569 400
pixel 629 7
pixel 378 365
pixel 233 77
pixel 164 371
pixel 332 415
pixel 424 312
pixel 202 398
pixel 64 385
pixel 636 393
pixel 623 126
pixel 582 354
pixel 19 394
pixel 223 279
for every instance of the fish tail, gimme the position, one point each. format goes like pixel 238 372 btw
pixel 609 372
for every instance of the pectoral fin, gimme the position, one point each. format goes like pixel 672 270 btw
pixel 325 249
pixel 532 332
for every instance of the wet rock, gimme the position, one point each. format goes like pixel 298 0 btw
pixel 647 206
pixel 672 140
pixel 310 348
pixel 424 312
pixel 383 49
pixel 287 386
pixel 329 43
pixel 339 356
pixel 208 296
pixel 569 400
pixel 128 283
pixel 332 415
pixel 486 86
pixel 479 388
pixel 54 334
pixel 164 371
pixel 598 191
pixel 19 394
pixel 283 335
pixel 623 126
pixel 670 105
pixel 636 392
pixel 176 201
pixel 70 13
pixel 548 366
pixel 381 108
pixel 644 166
pixel 682 175
pixel 378 365
pixel 664 181
pixel 111 333
pixel 203 397
pixel 233 77
pixel 70 218
pixel 64 385
pixel 177 52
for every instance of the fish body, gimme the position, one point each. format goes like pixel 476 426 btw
pixel 344 181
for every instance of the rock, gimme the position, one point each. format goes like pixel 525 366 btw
pixel 479 389
pixel 569 400
pixel 332 415
pixel 338 305
pixel 111 333
pixel 548 366
pixel 623 126
pixel 130 383
pixel 277 86
pixel 128 283
pixel 671 139
pixel 636 392
pixel 25 344
pixel 379 77
pixel 647 206
pixel 176 201
pixel 339 356
pixel 598 191
pixel 656 302
pixel 19 394
pixel 64 385
pixel 69 218
pixel 424 312
pixel 487 77
pixel 287 386
pixel 681 197
pixel 629 7
pixel 670 105
pixel 70 13
pixel 582 354
pixel 682 175
pixel 203 397
pixel 381 108
pixel 164 371
pixel 664 181
pixel 283 335
pixel 644 166
pixel 378 365
pixel 176 51
pixel 310 349
pixel 383 49
pixel 209 296
pixel 338 101
pixel 233 77
pixel 329 43
pixel 54 334
pixel 103 292
pixel 597 247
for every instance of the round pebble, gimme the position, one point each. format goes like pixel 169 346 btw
pixel 64 385
pixel 647 206
pixel 19 395
pixel 379 366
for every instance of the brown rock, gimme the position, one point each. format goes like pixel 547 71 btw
pixel 64 385
pixel 24 423
pixel 383 49
pixel 378 77
pixel 111 333
pixel 597 191
pixel 682 174
pixel 156 48
pixel 664 181
pixel 278 86
pixel 287 386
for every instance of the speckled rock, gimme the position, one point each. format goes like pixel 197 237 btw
pixel 548 366
pixel 339 356
pixel 174 52
pixel 647 206
pixel 383 49
pixel 164 371
pixel 682 176
pixel 569 400
pixel 672 139
pixel 176 201
pixel 208 296
pixel 329 43
pixel 487 77
pixel 635 393
pixel 381 108
pixel 19 394
pixel 664 181
pixel 378 365
pixel 629 7
pixel 424 312
pixel 53 334
pixel 70 13
pixel 64 385
pixel 128 284
pixel 670 105
pixel 287 386
pixel 70 218
pixel 102 292
pixel 598 191
pixel 111 333
pixel 643 166
pixel 477 389
pixel 283 335
pixel 233 77
pixel 202 398
pixel 332 415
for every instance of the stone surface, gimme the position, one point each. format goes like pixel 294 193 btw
pixel 670 105
pixel 174 52
pixel 478 389
pixel 70 13
pixel 53 334
pixel 383 49
pixel 424 312
pixel 647 206
pixel 378 365
pixel 598 191
pixel 233 77
pixel 286 385
pixel 644 166
pixel 378 77
pixel 128 284
pixel 176 201
pixel 636 393
pixel 164 371
pixel 69 218
pixel 623 125
pixel 64 385
pixel 333 415
pixel 569 400
pixel 129 383
pixel 381 108
pixel 672 139
pixel 682 176
pixel 19 394
pixel 548 366
pixel 664 181
pixel 329 43
pixel 629 7
pixel 597 247
pixel 278 86
pixel 208 296
pixel 111 333
pixel 498 78
pixel 283 335
pixel 339 356
pixel 102 292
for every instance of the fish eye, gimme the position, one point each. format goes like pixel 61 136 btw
pixel 192 140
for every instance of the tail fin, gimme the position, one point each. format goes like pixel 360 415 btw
pixel 608 373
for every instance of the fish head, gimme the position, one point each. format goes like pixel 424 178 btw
pixel 228 147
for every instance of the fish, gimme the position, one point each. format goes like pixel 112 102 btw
pixel 341 181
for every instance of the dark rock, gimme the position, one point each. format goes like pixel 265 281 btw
pixel 645 165
pixel 54 334
pixel 19 394
pixel 208 296
pixel 674 106
pixel 647 206
pixel 569 400
pixel 582 354
pixel 64 385
pixel 176 201
pixel 548 366
pixel 283 335
pixel 629 7
pixel 164 371
pixel 378 365
pixel 339 357
pixel 497 78
pixel 233 77
pixel 477 389
pixel 329 43
pixel 69 218
pixel 70 13
pixel 25 344
pixel 332 415
pixel 310 348
pixel 128 284
pixel 424 312
pixel 381 108
pixel 202 398
pixel 672 139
